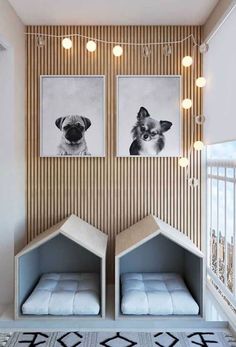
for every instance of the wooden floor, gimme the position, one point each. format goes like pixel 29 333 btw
pixel 215 319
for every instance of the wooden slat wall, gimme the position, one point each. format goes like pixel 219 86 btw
pixel 111 193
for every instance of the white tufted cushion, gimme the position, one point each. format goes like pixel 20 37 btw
pixel 156 294
pixel 64 294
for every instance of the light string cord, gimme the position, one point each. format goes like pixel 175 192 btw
pixel 191 36
pixel 193 125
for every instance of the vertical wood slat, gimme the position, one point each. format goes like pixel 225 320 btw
pixel 111 193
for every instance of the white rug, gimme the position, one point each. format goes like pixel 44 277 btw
pixel 114 339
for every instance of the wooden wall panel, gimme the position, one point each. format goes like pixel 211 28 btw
pixel 111 193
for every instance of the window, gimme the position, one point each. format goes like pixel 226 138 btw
pixel 221 212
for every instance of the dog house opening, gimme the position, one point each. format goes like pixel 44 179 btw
pixel 59 277
pixel 160 278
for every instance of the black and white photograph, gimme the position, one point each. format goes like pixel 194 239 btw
pixel 148 116
pixel 72 116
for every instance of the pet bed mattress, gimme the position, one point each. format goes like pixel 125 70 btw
pixel 156 294
pixel 64 294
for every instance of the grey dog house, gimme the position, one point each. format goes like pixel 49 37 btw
pixel 153 246
pixel 72 245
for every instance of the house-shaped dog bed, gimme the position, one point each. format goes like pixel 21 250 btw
pixel 158 272
pixel 62 273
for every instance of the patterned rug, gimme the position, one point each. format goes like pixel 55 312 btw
pixel 113 339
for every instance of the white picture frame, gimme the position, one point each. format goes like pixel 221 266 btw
pixel 161 96
pixel 72 96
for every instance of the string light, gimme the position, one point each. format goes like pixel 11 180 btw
pixel 200 119
pixel 183 162
pixel 91 46
pixel 203 48
pixel 167 50
pixel 146 51
pixel 41 41
pixel 201 82
pixel 187 61
pixel 67 43
pixel 198 145
pixel 193 182
pixel 117 51
pixel 187 104
pixel 114 43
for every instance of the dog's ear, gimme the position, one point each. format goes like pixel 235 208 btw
pixel 142 113
pixel 59 122
pixel 165 125
pixel 87 122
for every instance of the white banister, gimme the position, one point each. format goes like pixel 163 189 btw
pixel 222 250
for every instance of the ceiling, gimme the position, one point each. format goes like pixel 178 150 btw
pixel 113 12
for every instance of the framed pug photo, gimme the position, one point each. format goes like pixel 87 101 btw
pixel 72 116
pixel 149 116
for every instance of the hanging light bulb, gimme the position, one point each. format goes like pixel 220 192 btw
pixel 91 46
pixel 187 104
pixel 67 43
pixel 200 119
pixel 41 41
pixel 117 51
pixel 203 48
pixel 187 61
pixel 167 50
pixel 183 162
pixel 198 145
pixel 193 182
pixel 201 82
pixel 146 51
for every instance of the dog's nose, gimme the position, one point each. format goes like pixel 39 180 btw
pixel 145 136
pixel 73 135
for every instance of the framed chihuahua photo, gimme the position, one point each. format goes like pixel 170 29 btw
pixel 149 116
pixel 72 116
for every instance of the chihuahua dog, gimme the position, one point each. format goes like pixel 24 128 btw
pixel 148 138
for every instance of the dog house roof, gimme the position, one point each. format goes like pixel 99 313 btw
pixel 76 230
pixel 148 228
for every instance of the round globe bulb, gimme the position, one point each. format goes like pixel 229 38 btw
pixel 117 51
pixel 67 43
pixel 200 119
pixel 183 162
pixel 91 46
pixel 193 182
pixel 201 82
pixel 187 61
pixel 198 145
pixel 187 103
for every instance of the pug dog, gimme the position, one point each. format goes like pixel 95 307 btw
pixel 73 130
pixel 148 134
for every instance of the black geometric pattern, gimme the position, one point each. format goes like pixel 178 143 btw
pixel 173 340
pixel 117 339
pixel 62 340
pixel 106 343
pixel 40 337
pixel 204 342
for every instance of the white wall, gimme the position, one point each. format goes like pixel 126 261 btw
pixel 220 92
pixel 12 145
